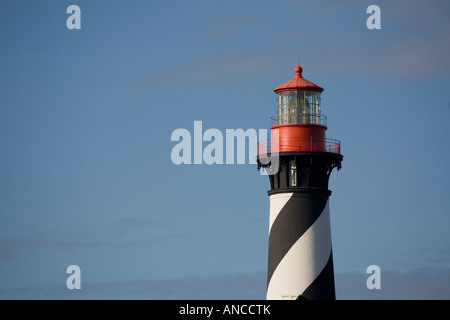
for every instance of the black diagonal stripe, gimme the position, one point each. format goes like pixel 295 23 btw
pixel 297 215
pixel 322 288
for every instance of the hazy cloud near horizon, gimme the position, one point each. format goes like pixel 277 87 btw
pixel 419 284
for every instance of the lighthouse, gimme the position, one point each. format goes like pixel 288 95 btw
pixel 300 258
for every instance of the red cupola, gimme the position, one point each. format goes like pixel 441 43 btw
pixel 298 83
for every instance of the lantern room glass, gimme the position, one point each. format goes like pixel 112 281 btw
pixel 298 106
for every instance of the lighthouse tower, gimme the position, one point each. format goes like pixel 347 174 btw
pixel 300 264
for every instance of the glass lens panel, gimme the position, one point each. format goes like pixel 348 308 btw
pixel 298 107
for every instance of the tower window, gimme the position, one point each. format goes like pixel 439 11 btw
pixel 292 173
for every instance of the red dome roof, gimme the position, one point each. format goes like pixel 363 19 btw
pixel 298 83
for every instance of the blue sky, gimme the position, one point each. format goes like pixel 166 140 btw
pixel 86 117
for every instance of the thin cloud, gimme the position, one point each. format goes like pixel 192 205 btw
pixel 412 43
pixel 420 284
pixel 11 248
pixel 425 283
pixel 219 68
pixel 239 286
pixel 131 224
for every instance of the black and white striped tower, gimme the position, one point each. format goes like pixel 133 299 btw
pixel 299 160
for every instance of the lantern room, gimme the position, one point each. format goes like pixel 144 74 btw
pixel 299 124
pixel 298 101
